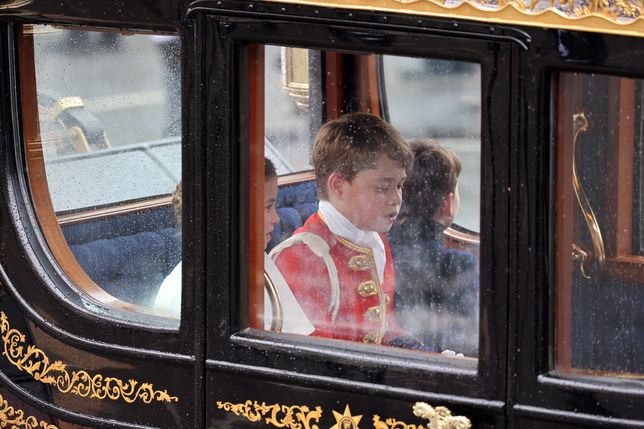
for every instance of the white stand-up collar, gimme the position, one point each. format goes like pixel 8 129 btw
pixel 341 226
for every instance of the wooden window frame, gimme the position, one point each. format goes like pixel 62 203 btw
pixel 620 261
pixel 50 223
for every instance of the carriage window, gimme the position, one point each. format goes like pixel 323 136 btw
pixel 293 92
pixel 357 249
pixel 102 130
pixel 599 188
pixel 452 115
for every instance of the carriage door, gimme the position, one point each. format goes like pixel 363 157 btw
pixel 273 358
pixel 589 326
pixel 93 311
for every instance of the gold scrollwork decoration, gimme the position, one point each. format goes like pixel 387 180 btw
pixel 15 418
pixel 623 17
pixel 440 417
pixel 292 417
pixel 35 362
pixel 393 424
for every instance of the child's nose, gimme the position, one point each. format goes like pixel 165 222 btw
pixel 275 219
pixel 397 197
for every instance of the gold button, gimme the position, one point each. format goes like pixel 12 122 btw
pixel 359 263
pixel 371 337
pixel 373 314
pixel 367 288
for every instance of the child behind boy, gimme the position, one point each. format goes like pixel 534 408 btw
pixel 338 264
pixel 437 288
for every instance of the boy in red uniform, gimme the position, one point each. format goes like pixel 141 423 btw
pixel 338 264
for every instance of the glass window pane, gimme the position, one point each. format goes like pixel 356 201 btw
pixel 451 114
pixel 292 106
pixel 600 267
pixel 108 128
pixel 349 258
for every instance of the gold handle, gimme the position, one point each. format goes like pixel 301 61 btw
pixel 277 317
pixel 580 256
pixel 440 417
pixel 580 124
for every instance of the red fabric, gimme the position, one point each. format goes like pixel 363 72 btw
pixel 307 276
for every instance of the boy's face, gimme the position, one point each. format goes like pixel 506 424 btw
pixel 371 201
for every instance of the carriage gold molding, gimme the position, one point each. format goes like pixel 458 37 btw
pixel 302 417
pixel 15 418
pixel 394 424
pixel 35 362
pixel 292 417
pixel 600 16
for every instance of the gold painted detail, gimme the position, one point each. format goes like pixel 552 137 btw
pixel 440 417
pixel 393 424
pixel 293 416
pixel 15 418
pixel 603 16
pixel 366 289
pixel 35 362
pixel 346 420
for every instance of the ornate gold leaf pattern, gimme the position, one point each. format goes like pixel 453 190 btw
pixel 292 417
pixel 35 362
pixel 15 418
pixel 605 16
pixel 393 424
pixel 440 417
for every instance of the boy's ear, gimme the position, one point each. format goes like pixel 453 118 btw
pixel 448 206
pixel 335 184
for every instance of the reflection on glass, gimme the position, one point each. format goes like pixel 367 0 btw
pixel 600 267
pixel 441 99
pixel 292 106
pixel 362 263
pixel 437 287
pixel 109 128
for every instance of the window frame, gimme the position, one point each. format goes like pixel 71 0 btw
pixel 72 313
pixel 231 342
pixel 538 391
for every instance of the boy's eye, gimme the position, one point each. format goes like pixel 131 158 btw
pixel 380 189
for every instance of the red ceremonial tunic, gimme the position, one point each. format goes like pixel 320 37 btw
pixel 364 308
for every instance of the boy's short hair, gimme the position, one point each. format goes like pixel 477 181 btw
pixel 434 175
pixel 269 169
pixel 353 143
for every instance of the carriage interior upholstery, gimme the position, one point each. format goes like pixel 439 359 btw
pixel 130 255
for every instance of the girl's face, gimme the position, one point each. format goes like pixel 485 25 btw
pixel 270 214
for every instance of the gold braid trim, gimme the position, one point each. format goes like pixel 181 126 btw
pixel 15 418
pixel 34 361
pixel 293 417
